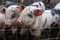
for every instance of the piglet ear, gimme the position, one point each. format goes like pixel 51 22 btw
pixel 38 12
pixel 20 8
pixel 3 10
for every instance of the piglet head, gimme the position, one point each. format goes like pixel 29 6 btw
pixel 28 16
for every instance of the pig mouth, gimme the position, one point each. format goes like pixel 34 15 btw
pixel 7 26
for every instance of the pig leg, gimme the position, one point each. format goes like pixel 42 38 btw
pixel 36 33
pixel 22 31
pixel 14 29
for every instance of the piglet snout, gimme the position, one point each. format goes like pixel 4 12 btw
pixel 19 21
pixel 8 23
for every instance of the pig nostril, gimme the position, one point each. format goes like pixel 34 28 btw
pixel 7 25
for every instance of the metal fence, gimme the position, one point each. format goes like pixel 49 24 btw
pixel 50 33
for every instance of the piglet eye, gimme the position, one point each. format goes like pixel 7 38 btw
pixel 13 16
pixel 30 15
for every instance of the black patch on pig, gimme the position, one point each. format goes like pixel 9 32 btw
pixel 13 16
pixel 55 11
pixel 52 23
pixel 40 4
pixel 30 15
pixel 35 5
